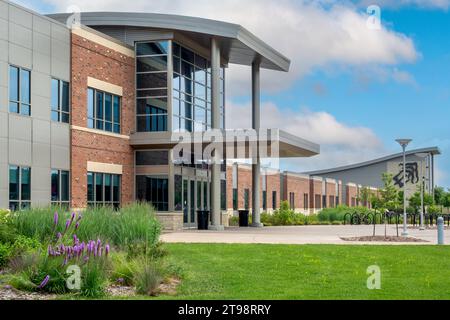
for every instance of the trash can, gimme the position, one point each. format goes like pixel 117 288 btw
pixel 243 218
pixel 203 219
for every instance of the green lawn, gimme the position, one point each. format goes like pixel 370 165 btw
pixel 215 271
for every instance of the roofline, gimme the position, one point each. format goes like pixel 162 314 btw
pixel 431 150
pixel 185 23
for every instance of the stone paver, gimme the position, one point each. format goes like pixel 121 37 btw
pixel 297 235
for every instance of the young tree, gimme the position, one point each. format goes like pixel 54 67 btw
pixel 364 196
pixel 389 194
pixel 415 202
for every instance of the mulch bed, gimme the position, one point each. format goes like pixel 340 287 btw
pixel 383 239
pixel 9 293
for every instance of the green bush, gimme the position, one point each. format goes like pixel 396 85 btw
pixel 148 278
pixel 5 254
pixel 135 224
pixel 338 214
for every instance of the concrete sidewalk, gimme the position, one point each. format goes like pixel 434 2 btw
pixel 298 235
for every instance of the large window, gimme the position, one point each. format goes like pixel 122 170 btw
pixel 103 189
pixel 103 111
pixel 151 86
pixel 153 190
pixel 192 91
pixel 60 101
pixel 152 158
pixel 19 187
pixel 235 199
pixel 264 198
pixel 19 91
pixel 60 188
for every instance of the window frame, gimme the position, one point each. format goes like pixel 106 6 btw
pixel 103 202
pixel 59 202
pixel 21 203
pixel 59 108
pixel 274 200
pixel 19 103
pixel 95 119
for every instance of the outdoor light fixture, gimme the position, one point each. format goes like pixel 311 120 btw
pixel 422 187
pixel 404 143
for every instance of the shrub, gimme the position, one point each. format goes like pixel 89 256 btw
pixel 123 269
pixel 148 278
pixel 5 254
pixel 135 224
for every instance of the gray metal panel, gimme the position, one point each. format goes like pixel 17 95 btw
pixel 20 152
pixel 20 35
pixel 60 69
pixel 3 50
pixel 41 155
pixel 41 25
pixel 19 16
pixel 60 157
pixel 40 108
pixel 4 74
pixel 19 127
pixel 60 134
pixel 4 151
pixel 4 29
pixel 4 10
pixel 3 99
pixel 60 33
pixel 60 50
pixel 41 62
pixel 3 125
pixel 196 27
pixel 40 85
pixel 43 177
pixel 20 56
pixel 41 43
pixel 41 131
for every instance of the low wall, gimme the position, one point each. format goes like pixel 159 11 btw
pixel 171 221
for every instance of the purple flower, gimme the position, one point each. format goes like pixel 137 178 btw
pixel 79 218
pixel 77 226
pixel 72 217
pixel 65 261
pixel 55 219
pixel 59 235
pixel 68 222
pixel 99 243
pixel 107 248
pixel 44 282
pixel 49 250
pixel 75 238
pixel 120 280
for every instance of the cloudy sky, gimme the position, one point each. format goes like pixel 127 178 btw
pixel 351 88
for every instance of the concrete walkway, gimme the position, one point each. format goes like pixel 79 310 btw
pixel 298 235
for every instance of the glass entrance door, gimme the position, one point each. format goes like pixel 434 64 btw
pixel 195 197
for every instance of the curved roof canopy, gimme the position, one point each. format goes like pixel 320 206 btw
pixel 239 46
pixel 432 150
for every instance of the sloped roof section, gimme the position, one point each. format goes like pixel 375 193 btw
pixel 239 46
pixel 431 150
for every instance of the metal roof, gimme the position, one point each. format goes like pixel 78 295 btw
pixel 431 150
pixel 239 46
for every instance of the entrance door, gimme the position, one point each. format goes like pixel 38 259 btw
pixel 189 203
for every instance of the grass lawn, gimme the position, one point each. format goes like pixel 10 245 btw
pixel 217 271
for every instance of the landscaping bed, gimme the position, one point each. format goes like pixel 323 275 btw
pixel 383 239
pixel 99 253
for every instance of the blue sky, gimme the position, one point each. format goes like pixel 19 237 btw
pixel 370 88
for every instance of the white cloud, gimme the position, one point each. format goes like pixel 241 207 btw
pixel 314 34
pixel 427 4
pixel 341 144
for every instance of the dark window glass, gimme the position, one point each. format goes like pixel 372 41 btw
pixel 223 194
pixel 108 112
pixel 153 190
pixel 274 200
pixel 65 100
pixel 103 111
pixel 90 187
pixel 14 183
pixel 178 205
pixel 152 158
pixel 235 199
pixel 19 91
pixel 151 64
pixel 65 186
pixel 246 199
pixel 116 188
pixel 55 185
pixel 151 80
pixel 99 187
pixel 26 184
pixel 108 188
pixel 264 195
pixel 152 48
pixel 187 55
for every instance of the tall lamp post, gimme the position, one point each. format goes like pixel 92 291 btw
pixel 422 156
pixel 404 143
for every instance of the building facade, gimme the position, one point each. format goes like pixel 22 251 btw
pixel 93 107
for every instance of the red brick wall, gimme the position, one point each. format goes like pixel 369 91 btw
pixel 315 189
pixel 351 192
pixel 299 186
pixel 230 187
pixel 273 184
pixel 331 192
pixel 90 59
